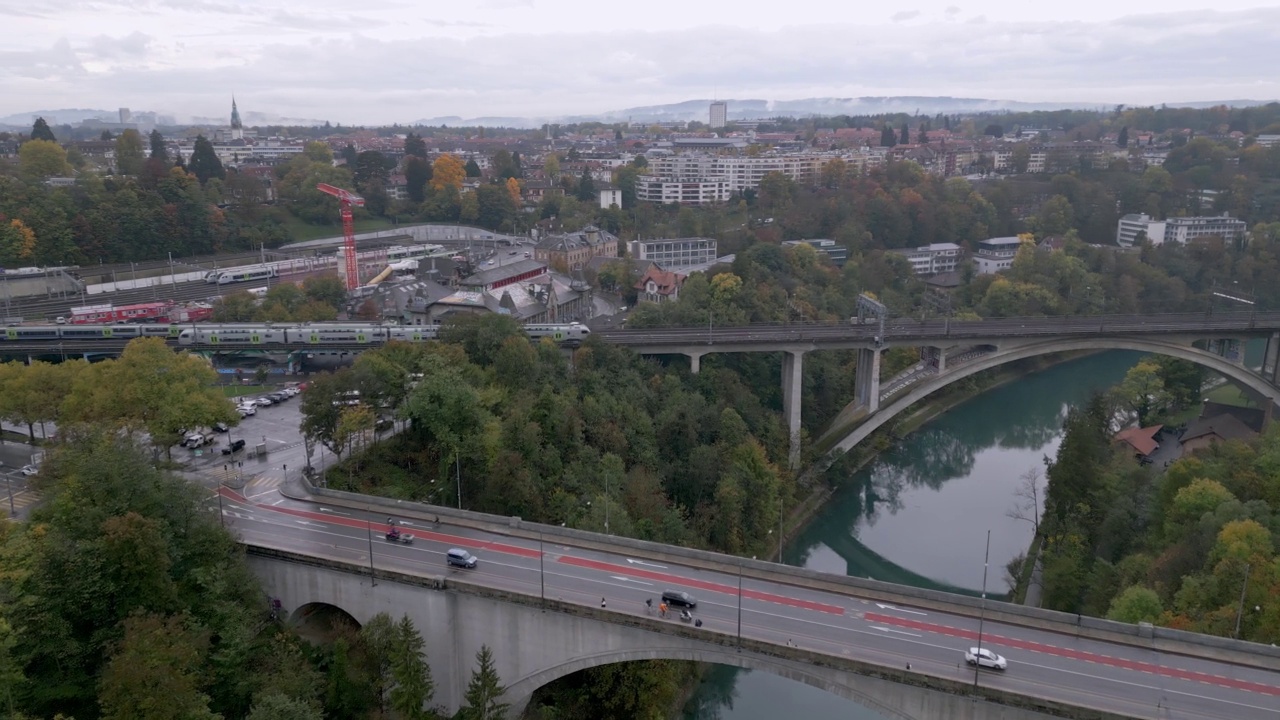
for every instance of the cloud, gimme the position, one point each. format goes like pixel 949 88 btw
pixel 365 78
pixel 904 15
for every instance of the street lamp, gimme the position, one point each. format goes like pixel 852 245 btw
pixel 368 524
pixel 542 572
pixel 977 663
pixel 753 557
pixel 8 483
pixel 1243 590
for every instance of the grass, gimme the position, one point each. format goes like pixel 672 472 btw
pixel 1230 394
pixel 299 230
pixel 238 390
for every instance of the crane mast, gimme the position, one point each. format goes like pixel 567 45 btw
pixel 346 199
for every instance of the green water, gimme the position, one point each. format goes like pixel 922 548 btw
pixel 919 515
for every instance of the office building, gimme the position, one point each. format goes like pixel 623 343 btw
pixel 932 259
pixel 1179 229
pixel 996 254
pixel 719 114
pixel 676 252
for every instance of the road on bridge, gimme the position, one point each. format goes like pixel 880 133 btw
pixel 1117 678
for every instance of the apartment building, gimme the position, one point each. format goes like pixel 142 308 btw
pixel 1179 229
pixel 675 252
pixel 690 191
pixel 932 259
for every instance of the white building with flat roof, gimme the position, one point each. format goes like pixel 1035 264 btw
pixel 1179 229
pixel 932 259
pixel 675 252
pixel 719 114
pixel 996 254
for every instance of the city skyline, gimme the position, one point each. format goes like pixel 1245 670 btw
pixel 381 64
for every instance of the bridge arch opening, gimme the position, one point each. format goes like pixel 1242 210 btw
pixel 1237 374
pixel 526 690
pixel 321 623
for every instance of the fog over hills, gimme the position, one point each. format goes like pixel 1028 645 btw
pixel 746 109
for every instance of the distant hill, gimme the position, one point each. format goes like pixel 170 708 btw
pixel 754 109
pixel 66 116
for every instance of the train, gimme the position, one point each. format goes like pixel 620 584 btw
pixel 254 334
pixel 270 270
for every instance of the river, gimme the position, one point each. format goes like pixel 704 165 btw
pixel 919 515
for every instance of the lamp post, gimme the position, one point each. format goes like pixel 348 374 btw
pixel 740 602
pixel 8 483
pixel 606 505
pixel 222 518
pixel 457 466
pixel 982 616
pixel 542 572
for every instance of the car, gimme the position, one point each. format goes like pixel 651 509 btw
pixel 278 397
pixel 457 557
pixel 220 427
pixel 30 470
pixel 264 401
pixel 233 447
pixel 679 598
pixel 247 409
pixel 985 658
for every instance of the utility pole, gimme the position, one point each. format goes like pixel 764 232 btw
pixel 542 572
pixel 368 524
pixel 1243 590
pixel 977 665
pixel 8 483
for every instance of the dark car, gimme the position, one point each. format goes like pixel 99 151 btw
pixel 679 598
pixel 234 446
pixel 220 427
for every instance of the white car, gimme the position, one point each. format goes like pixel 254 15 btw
pixel 30 470
pixel 985 658
pixel 263 401
pixel 247 409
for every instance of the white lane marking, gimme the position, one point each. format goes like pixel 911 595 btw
pixel 305 522
pixel 639 562
pixel 891 630
pixel 882 606
pixel 334 512
pixel 629 580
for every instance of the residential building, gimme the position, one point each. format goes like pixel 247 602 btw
pixel 1206 431
pixel 1268 140
pixel 996 254
pixel 659 285
pixel 652 188
pixel 932 259
pixel 1179 229
pixel 676 252
pixel 719 114
pixel 837 254
pixel 609 197
pixel 570 251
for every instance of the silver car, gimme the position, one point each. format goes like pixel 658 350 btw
pixel 985 658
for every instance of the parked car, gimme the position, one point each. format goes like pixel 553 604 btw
pixel 247 409
pixel 264 401
pixel 30 470
pixel 278 397
pixel 198 439
pixel 220 427
pixel 985 658
pixel 233 446
pixel 679 598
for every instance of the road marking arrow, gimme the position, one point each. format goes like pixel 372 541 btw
pixel 898 609
pixel 630 580
pixel 900 632
pixel 638 562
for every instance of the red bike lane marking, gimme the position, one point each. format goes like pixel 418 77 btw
pixel 1137 665
pixel 378 527
pixel 700 584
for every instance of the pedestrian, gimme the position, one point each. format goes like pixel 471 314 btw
pixel 601 602
pixel 908 666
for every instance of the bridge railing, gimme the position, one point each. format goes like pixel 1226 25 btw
pixel 1158 638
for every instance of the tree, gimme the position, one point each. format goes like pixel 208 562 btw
pixel 129 153
pixel 155 672
pixel 1027 504
pixel 151 388
pixel 447 172
pixel 17 244
pixel 586 187
pixel 415 146
pixel 274 706
pixel 1055 217
pixel 317 151
pixel 321 408
pixel 494 206
pixel 40 159
pixel 483 691
pixel 204 163
pixel 417 173
pixel 1123 139
pixel 413 687
pixel 371 169
pixel 349 154
pixel 158 150
pixel 1136 604
pixel 472 168
pixel 326 288
pixel 40 131
pixel 1142 391
pixel 887 136
pixel 906 134
pixel 513 189
pixel 551 166
pixel 993 130
pixel 1020 158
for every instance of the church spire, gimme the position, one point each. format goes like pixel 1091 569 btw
pixel 237 128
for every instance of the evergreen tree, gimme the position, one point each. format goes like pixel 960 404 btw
pixel 586 187
pixel 906 134
pixel 204 162
pixel 349 155
pixel 415 146
pixel 1123 140
pixel 417 173
pixel 40 131
pixel 887 136
pixel 517 168
pixel 484 690
pixel 413 687
pixel 158 151
pixel 473 169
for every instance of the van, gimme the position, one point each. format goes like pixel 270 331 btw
pixel 458 557
pixel 678 598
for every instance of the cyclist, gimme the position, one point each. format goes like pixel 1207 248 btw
pixel 648 605
pixel 662 610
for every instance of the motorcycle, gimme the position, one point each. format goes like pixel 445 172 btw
pixel 399 537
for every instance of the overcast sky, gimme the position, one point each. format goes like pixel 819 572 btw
pixel 383 61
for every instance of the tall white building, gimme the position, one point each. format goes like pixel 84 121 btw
pixel 1179 229
pixel 719 114
pixel 996 254
pixel 932 259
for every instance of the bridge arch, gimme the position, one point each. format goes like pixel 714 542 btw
pixel 1011 353
pixel 317 619
pixel 520 692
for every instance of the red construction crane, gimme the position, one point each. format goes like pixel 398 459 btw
pixel 346 199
